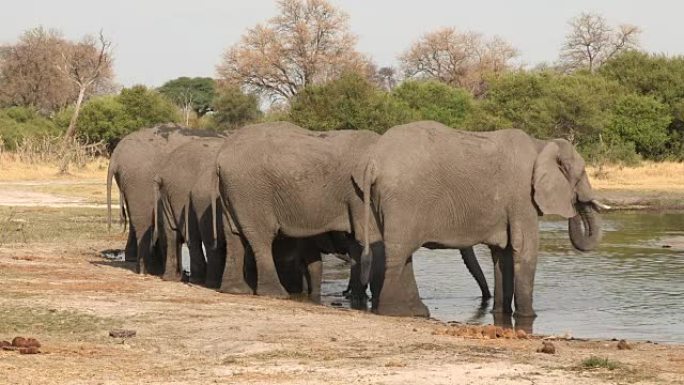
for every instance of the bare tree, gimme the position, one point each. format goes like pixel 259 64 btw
pixel 591 42
pixel 85 64
pixel 386 78
pixel 28 72
pixel 308 42
pixel 457 58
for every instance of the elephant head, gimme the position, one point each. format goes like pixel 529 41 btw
pixel 561 187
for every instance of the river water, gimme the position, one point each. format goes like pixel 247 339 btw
pixel 631 287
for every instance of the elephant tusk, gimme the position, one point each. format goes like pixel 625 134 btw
pixel 600 205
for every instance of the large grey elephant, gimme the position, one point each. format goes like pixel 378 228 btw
pixel 280 179
pixel 277 179
pixel 434 186
pixel 184 189
pixel 133 165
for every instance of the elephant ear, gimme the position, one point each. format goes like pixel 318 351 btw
pixel 552 191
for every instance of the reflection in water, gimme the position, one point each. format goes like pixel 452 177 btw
pixel 631 287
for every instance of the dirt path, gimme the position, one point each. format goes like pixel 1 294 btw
pixel 69 297
pixel 67 193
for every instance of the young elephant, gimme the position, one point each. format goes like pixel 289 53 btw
pixel 183 189
pixel 133 165
pixel 433 186
pixel 280 179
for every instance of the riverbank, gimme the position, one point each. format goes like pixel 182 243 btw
pixel 66 295
pixel 57 287
pixel 653 186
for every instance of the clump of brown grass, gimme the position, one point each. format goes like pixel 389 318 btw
pixel 666 176
pixel 15 167
pixel 53 153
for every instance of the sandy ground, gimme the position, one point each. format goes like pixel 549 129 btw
pixel 69 298
pixel 61 291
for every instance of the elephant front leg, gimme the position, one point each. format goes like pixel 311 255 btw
pixel 357 291
pixel 524 267
pixel 502 260
pixel 233 280
pixel 399 293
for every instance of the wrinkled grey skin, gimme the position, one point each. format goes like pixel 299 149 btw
pixel 133 165
pixel 433 186
pixel 280 179
pixel 184 185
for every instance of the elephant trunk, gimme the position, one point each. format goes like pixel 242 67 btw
pixel 585 227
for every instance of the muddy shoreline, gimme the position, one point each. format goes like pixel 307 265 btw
pixel 625 199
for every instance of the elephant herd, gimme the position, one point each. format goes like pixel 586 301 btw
pixel 257 206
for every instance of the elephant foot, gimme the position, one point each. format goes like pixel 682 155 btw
pixel 524 313
pixel 416 309
pixel 315 298
pixel 172 277
pixel 272 290
pixel 359 302
pixel 130 258
pixel 236 288
pixel 196 280
pixel 212 283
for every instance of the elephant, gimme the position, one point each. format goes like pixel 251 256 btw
pixel 280 179
pixel 426 184
pixel 132 164
pixel 183 188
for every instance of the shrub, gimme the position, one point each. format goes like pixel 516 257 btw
pixel 432 100
pixel 19 123
pixel 350 102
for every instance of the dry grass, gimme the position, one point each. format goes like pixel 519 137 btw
pixel 12 168
pixel 653 176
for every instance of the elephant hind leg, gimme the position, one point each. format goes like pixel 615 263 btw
pixel 172 267
pixel 233 279
pixel 502 260
pixel 131 252
pixel 399 293
pixel 268 282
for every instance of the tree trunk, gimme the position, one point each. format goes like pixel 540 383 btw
pixel 71 131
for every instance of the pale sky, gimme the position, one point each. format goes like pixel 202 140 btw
pixel 158 40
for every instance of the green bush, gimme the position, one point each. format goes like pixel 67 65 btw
pixel 549 104
pixel 350 102
pixel 233 108
pixel 18 123
pixel 432 100
pixel 642 121
pixel 107 118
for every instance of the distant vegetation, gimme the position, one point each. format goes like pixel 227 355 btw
pixel 614 101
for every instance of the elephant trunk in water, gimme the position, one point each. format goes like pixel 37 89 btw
pixel 585 227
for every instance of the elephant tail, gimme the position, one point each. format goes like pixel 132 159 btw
pixel 186 228
pixel 366 256
pixel 157 196
pixel 123 214
pixel 110 176
pixel 215 194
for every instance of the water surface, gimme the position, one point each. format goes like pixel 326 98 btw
pixel 631 287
